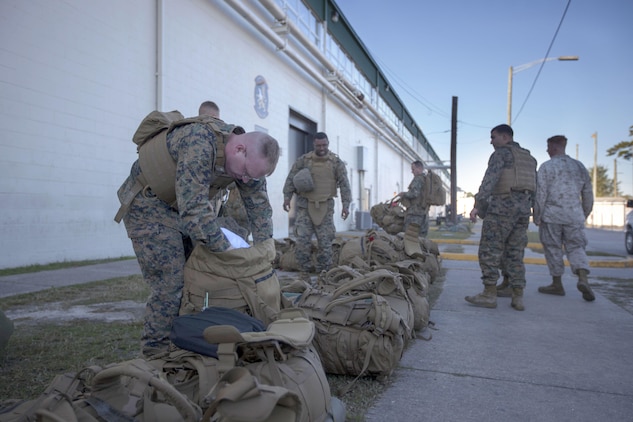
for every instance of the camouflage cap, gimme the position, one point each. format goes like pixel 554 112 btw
pixel 303 181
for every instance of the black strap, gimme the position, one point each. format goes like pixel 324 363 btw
pixel 107 412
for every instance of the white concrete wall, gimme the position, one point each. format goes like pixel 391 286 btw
pixel 608 213
pixel 74 81
pixel 76 78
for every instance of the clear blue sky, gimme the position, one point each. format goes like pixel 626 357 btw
pixel 434 50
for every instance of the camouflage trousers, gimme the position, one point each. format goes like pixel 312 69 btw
pixel 503 242
pixel 420 219
pixel 324 232
pixel 561 239
pixel 161 250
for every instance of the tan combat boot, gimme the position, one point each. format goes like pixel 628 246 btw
pixel 517 299
pixel 556 288
pixel 583 285
pixel 486 299
pixel 504 289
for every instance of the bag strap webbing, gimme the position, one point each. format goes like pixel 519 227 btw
pixel 256 401
pixel 125 205
pixel 366 361
pixel 106 411
pixel 139 370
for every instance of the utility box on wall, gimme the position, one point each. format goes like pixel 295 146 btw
pixel 361 158
pixel 363 220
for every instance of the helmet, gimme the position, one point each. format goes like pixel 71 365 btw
pixel 303 181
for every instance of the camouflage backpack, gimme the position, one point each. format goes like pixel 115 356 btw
pixel 434 194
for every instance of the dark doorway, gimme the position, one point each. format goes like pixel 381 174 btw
pixel 300 133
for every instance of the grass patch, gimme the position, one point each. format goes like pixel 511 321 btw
pixel 57 266
pixel 122 288
pixel 618 291
pixel 533 237
pixel 536 249
pixel 37 353
pixel 460 231
pixel 40 350
pixel 453 249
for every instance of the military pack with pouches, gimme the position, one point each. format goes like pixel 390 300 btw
pixel 158 168
pixel 283 357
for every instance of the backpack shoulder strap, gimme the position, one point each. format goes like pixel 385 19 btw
pixel 221 129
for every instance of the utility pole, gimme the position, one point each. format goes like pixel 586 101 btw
pixel 615 177
pixel 453 162
pixel 595 164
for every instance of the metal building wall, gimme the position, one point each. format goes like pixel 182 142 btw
pixel 77 77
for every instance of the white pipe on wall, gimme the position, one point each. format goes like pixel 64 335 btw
pixel 281 16
pixel 160 14
pixel 343 91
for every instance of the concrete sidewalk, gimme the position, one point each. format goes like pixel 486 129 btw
pixel 34 282
pixel 562 359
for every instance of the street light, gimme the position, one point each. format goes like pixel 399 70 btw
pixel 519 68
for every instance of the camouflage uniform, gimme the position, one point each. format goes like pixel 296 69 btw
pixel 232 209
pixel 564 199
pixel 158 231
pixel 417 212
pixel 304 226
pixel 504 230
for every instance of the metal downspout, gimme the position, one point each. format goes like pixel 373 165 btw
pixel 160 14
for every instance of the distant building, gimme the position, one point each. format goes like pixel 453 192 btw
pixel 608 213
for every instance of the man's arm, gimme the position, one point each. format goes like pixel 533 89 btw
pixel 289 186
pixel 258 208
pixel 541 194
pixel 415 189
pixel 194 175
pixel 587 192
pixel 342 182
pixel 496 164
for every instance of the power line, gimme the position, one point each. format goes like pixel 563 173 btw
pixel 420 99
pixel 543 64
pixel 415 95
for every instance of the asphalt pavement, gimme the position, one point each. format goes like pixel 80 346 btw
pixel 562 359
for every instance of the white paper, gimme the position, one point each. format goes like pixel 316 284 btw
pixel 235 240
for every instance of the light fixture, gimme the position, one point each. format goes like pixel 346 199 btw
pixel 516 69
pixel 334 16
